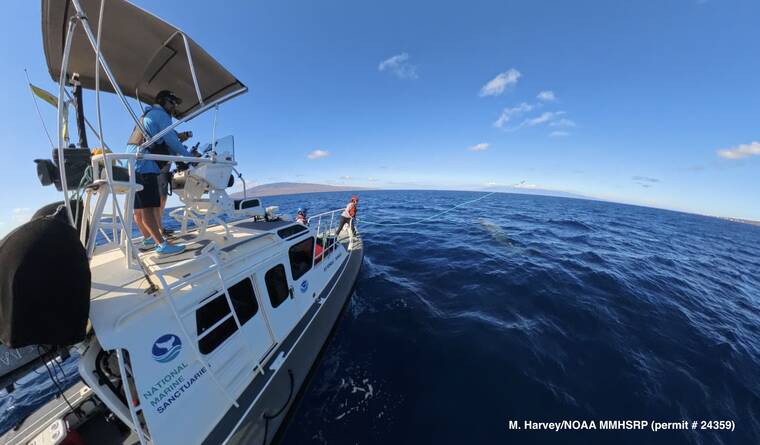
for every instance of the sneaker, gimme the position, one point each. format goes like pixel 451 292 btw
pixel 147 244
pixel 169 249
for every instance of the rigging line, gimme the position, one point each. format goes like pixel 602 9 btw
pixel 429 217
pixel 39 113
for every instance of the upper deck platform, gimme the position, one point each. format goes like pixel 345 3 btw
pixel 118 291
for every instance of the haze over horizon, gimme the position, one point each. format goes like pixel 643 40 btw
pixel 649 103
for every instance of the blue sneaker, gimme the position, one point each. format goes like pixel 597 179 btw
pixel 169 249
pixel 147 244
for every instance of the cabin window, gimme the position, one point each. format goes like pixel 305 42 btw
pixel 301 256
pixel 207 316
pixel 244 300
pixel 289 231
pixel 277 285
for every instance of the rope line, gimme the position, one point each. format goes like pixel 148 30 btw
pixel 429 217
pixel 39 113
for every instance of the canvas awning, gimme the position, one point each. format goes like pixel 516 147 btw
pixel 145 54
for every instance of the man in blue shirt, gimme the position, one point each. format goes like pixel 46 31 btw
pixel 148 212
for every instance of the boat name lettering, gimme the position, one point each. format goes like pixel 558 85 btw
pixel 179 390
pixel 165 381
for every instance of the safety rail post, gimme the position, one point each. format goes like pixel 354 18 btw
pixel 136 426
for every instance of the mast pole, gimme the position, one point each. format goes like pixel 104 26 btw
pixel 61 105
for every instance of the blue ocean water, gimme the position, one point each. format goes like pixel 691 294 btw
pixel 532 308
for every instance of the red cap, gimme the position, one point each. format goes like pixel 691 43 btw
pixel 355 198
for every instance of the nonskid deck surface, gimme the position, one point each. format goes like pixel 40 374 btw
pixel 108 265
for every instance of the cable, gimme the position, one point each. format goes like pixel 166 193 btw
pixel 268 417
pixel 429 217
pixel 34 99
pixel 58 384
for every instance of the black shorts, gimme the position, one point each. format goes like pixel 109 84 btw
pixel 163 183
pixel 149 196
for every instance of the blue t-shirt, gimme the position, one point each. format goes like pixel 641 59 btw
pixel 155 120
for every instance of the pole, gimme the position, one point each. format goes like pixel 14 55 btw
pixel 81 130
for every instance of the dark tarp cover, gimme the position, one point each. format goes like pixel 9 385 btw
pixel 44 284
pixel 145 54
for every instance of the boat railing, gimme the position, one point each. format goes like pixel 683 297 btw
pixel 108 184
pixel 327 224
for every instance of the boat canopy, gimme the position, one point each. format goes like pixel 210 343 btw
pixel 145 54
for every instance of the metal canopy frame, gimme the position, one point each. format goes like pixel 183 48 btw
pixel 80 19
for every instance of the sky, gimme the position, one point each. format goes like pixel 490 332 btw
pixel 651 102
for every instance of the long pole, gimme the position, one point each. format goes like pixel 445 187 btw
pixel 61 105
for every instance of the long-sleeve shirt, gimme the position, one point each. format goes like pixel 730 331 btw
pixel 155 120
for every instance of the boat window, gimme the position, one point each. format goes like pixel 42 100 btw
pixel 289 231
pixel 301 256
pixel 207 316
pixel 244 300
pixel 277 285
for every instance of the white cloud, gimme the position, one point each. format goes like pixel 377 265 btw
pixel 316 154
pixel 346 178
pixel 740 151
pixel 21 215
pixel 546 96
pixel 546 116
pixel 525 185
pixel 480 147
pixel 563 123
pixel 508 113
pixel 498 84
pixel 558 134
pixel 400 66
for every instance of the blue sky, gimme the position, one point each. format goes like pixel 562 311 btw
pixel 639 98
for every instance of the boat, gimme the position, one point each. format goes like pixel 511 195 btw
pixel 213 345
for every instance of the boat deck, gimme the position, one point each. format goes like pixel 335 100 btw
pixel 108 263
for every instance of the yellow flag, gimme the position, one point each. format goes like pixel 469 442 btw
pixel 44 95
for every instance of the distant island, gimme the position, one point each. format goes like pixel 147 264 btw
pixel 743 221
pixel 294 188
pixel 535 191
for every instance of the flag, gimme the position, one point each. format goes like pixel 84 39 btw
pixel 44 95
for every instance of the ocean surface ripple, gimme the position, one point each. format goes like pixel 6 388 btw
pixel 535 308
pixel 544 309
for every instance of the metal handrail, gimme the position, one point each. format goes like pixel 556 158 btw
pixel 324 213
pixel 157 157
pixel 332 225
pixel 133 410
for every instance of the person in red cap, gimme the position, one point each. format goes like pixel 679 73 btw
pixel 348 215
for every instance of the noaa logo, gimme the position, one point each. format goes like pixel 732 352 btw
pixel 166 348
pixel 304 286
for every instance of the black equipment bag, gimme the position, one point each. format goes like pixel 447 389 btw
pixel 159 148
pixel 76 160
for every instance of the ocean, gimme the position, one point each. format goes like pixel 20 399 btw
pixel 520 309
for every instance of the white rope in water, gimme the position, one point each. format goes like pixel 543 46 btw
pixel 429 217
